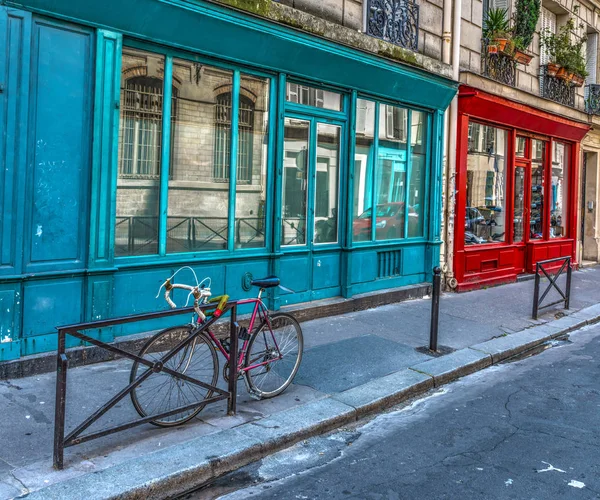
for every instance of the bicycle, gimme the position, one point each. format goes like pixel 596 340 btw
pixel 268 359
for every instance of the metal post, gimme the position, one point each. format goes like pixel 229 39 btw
pixel 61 396
pixel 233 362
pixel 435 308
pixel 568 290
pixel 536 292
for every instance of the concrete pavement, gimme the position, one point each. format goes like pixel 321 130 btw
pixel 354 364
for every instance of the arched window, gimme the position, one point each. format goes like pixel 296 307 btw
pixel 141 131
pixel 223 139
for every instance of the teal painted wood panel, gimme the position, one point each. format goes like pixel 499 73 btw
pixel 10 321
pixel 267 45
pixel 364 266
pixel 295 272
pixel 58 185
pixel 105 150
pixel 15 31
pixel 326 270
pixel 52 303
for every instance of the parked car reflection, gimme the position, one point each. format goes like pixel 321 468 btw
pixel 389 222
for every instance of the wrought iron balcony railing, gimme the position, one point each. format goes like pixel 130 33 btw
pixel 592 100
pixel 556 89
pixel 498 66
pixel 395 21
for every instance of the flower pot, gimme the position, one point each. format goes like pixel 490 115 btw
pixel 492 49
pixel 552 69
pixel 578 80
pixel 500 43
pixel 562 73
pixel 522 57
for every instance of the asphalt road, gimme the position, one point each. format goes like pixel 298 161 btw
pixel 529 429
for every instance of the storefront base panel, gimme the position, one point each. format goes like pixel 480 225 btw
pixel 550 250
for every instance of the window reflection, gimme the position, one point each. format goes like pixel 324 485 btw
pixel 295 176
pixel 311 96
pixel 363 170
pixel 486 185
pixel 536 218
pixel 326 187
pixel 558 210
pixel 416 189
pixel 519 204
pixel 140 141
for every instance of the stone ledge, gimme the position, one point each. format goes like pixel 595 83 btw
pixel 454 365
pixel 313 25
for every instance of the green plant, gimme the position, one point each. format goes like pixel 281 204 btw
pixel 496 24
pixel 562 50
pixel 527 13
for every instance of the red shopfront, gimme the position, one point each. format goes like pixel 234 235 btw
pixel 516 182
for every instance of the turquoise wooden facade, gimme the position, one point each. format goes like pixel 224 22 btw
pixel 60 79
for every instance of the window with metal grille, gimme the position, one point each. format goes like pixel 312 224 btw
pixel 223 139
pixel 141 128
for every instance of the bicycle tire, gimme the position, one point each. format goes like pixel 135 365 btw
pixel 155 394
pixel 261 347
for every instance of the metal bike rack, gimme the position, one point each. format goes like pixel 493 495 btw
pixel 75 436
pixel 552 277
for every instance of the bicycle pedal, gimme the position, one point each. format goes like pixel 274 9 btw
pixel 254 396
pixel 243 334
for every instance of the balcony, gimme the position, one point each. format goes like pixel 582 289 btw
pixel 592 100
pixel 497 65
pixel 556 89
pixel 395 21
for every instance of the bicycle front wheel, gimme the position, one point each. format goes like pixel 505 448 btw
pixel 162 392
pixel 275 351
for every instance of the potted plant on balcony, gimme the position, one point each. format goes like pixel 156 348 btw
pixel 496 30
pixel 527 13
pixel 566 59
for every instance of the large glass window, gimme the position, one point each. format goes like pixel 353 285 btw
pixel 519 204
pixel 140 141
pixel 536 214
pixel 295 177
pixel 485 218
pixel 311 96
pixel 198 189
pixel 558 210
pixel 327 181
pixel 389 173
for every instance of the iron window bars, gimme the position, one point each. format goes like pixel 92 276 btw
pixel 395 21
pixel 556 89
pixel 498 66
pixel 592 101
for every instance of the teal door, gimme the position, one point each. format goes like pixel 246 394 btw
pixel 310 207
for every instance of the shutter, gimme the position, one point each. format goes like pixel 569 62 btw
pixel 548 24
pixel 591 49
pixel 498 4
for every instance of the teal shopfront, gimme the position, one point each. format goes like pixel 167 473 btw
pixel 139 138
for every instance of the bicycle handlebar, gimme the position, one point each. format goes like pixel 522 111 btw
pixel 199 295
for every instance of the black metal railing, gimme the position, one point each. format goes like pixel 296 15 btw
pixel 77 436
pixel 548 269
pixel 498 66
pixel 556 89
pixel 592 100
pixel 395 21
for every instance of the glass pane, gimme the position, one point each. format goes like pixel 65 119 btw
pixel 295 170
pixel 520 147
pixel 201 141
pixel 327 181
pixel 311 96
pixel 536 221
pixel 486 185
pixel 363 170
pixel 519 204
pixel 253 146
pixel 416 190
pixel 140 131
pixel 558 214
pixel 390 182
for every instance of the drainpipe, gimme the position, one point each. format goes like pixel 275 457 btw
pixel 452 115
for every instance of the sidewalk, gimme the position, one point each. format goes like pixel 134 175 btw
pixel 353 364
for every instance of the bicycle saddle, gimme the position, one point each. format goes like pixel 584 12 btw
pixel 268 282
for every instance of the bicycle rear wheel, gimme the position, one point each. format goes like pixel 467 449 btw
pixel 162 392
pixel 277 350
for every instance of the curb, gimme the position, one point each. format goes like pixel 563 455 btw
pixel 179 469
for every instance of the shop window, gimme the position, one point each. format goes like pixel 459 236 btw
pixel 223 138
pixel 485 217
pixel 520 146
pixel 537 212
pixel 389 174
pixel 558 209
pixel 197 189
pixel 519 205
pixel 311 96
pixel 327 182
